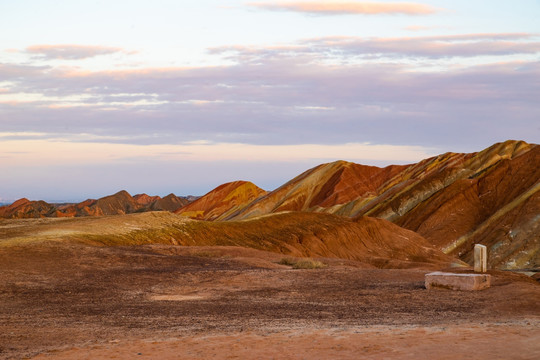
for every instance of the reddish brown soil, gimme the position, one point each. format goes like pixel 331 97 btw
pixel 157 301
pixel 377 342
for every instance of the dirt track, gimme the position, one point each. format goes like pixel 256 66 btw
pixel 66 301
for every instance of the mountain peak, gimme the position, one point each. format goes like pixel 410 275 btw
pixel 145 199
pixel 21 201
pixel 122 193
pixel 324 186
pixel 223 201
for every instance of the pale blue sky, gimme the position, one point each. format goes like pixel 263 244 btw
pixel 204 92
pixel 178 32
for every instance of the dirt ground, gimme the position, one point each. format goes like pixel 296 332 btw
pixel 69 301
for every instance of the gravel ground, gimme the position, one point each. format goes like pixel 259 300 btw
pixel 60 300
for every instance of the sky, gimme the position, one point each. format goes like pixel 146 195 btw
pixel 181 96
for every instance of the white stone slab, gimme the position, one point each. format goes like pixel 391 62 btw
pixel 480 258
pixel 452 281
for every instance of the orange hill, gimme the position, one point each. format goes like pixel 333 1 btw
pixel 24 208
pixel 322 188
pixel 222 202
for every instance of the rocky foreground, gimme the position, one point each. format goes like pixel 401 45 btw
pixel 63 300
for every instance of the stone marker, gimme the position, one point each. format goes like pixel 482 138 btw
pixel 480 258
pixel 453 281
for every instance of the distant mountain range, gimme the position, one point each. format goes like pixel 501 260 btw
pixel 118 204
pixel 453 200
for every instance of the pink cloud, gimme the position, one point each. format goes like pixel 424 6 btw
pixel 347 7
pixel 70 52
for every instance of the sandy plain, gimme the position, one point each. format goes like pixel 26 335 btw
pixel 76 301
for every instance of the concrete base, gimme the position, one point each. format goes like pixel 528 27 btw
pixel 457 281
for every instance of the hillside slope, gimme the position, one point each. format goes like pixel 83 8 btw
pixel 371 241
pixel 457 200
pixel 453 200
pixel 323 188
pixel 223 201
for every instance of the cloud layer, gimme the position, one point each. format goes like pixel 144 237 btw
pixel 327 91
pixel 433 47
pixel 70 52
pixel 347 7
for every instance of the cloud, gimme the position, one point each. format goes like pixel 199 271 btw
pixel 23 135
pixel 347 7
pixel 295 94
pixel 468 45
pixel 70 52
pixel 15 72
pixel 433 47
pixel 291 102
